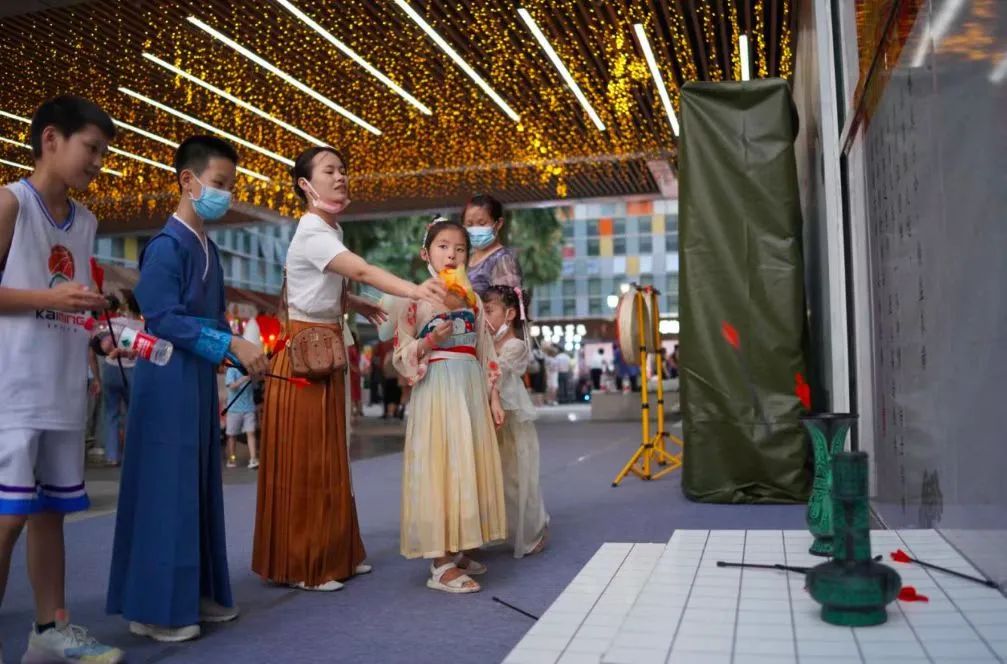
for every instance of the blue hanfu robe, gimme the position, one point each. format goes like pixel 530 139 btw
pixel 169 547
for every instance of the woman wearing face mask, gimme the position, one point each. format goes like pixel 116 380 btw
pixel 306 530
pixel 491 264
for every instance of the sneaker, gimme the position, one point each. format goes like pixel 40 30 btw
pixel 327 587
pixel 363 568
pixel 68 643
pixel 165 634
pixel 253 464
pixel 210 611
pixel 232 462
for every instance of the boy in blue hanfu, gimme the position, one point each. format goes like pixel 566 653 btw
pixel 169 561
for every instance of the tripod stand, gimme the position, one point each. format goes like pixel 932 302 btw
pixel 652 449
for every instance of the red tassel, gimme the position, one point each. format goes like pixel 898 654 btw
pixel 901 556
pixel 731 335
pixel 280 345
pixel 909 594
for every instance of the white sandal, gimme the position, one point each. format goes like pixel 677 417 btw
pixel 472 567
pixel 456 585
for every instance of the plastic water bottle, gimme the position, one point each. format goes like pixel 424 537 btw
pixel 147 346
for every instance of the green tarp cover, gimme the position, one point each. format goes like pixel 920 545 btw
pixel 741 263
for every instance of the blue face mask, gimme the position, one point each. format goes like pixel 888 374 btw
pixel 212 204
pixel 481 236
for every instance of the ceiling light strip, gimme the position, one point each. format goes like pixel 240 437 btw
pixel 142 132
pixel 563 71
pixel 173 144
pixel 231 98
pixel 746 72
pixel 444 46
pixel 16 165
pixel 209 127
pixel 655 73
pixel 17 143
pixel 137 157
pixel 350 53
pixel 110 171
pixel 282 74
pixel 12 116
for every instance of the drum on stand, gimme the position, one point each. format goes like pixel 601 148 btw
pixel 627 327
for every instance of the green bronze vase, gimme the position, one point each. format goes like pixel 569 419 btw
pixel 828 437
pixel 852 588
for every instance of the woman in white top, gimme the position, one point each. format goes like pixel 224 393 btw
pixel 306 530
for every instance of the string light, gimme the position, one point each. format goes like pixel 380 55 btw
pixel 467 145
pixel 655 73
pixel 444 46
pixel 219 36
pixel 234 100
pixel 710 36
pixel 349 52
pixel 736 41
pixel 207 126
pixel 786 54
pixel 682 46
pixel 759 10
pixel 563 71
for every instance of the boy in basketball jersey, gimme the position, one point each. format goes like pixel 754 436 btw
pixel 45 249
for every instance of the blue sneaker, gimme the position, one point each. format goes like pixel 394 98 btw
pixel 68 643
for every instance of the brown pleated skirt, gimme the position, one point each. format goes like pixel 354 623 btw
pixel 306 527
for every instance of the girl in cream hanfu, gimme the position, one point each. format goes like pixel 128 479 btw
pixel 452 486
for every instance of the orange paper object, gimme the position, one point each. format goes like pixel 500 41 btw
pixel 457 281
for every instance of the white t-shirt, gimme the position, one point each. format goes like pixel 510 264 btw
pixel 314 295
pixel 563 363
pixel 598 361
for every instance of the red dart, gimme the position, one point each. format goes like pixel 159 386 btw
pixel 909 594
pixel 901 556
pixel 734 339
pixel 803 391
pixel 280 345
pixel 98 277
pixel 299 382
pixel 731 335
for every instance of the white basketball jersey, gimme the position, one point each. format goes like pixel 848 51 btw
pixel 43 353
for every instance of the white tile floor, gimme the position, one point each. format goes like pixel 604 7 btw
pixel 643 603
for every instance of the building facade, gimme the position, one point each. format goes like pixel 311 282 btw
pixel 252 257
pixel 607 247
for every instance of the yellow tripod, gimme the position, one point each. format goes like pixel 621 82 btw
pixel 652 449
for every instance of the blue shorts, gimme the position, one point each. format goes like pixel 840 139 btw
pixel 42 471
